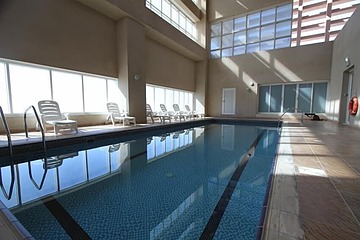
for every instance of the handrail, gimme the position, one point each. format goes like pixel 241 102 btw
pixel 287 110
pixel 7 131
pixel 7 194
pixel 40 126
pixel 44 145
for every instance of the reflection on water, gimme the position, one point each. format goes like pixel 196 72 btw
pixel 160 146
pixel 40 178
pixel 170 198
pixel 26 182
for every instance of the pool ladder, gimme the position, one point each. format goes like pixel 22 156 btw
pixel 6 127
pixel 287 110
pixel 38 186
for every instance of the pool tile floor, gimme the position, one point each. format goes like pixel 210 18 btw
pixel 316 191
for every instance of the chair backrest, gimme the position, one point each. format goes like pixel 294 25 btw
pixel 176 107
pixel 148 110
pixel 187 108
pixel 113 108
pixel 163 108
pixel 50 110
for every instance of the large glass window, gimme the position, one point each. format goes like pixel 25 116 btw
pixel 24 79
pixel 64 85
pixel 320 91
pixel 263 30
pixel 290 97
pixel 73 91
pixel 264 98
pixel 169 12
pixel 95 85
pixel 304 97
pixel 156 95
pixel 275 98
pixel 4 97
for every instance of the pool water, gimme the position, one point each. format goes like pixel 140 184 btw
pixel 168 186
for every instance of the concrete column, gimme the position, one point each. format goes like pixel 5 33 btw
pixel 131 67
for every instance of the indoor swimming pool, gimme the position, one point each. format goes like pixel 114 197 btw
pixel 195 183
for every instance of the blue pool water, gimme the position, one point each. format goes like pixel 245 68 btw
pixel 168 186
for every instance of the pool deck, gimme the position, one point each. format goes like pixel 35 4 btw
pixel 315 190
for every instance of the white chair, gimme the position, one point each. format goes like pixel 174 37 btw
pixel 162 116
pixel 193 113
pixel 115 115
pixel 51 115
pixel 179 113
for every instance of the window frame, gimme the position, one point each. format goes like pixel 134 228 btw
pixel 259 26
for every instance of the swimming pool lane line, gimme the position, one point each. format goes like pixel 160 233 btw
pixel 215 218
pixel 71 227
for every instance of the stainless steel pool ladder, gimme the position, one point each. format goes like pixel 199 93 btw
pixel 44 146
pixel 38 122
pixel 6 127
pixel 287 110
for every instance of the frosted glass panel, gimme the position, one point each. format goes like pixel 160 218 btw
pixel 95 94
pixel 264 98
pixel 275 98
pixel 289 97
pixel 304 97
pixel 65 85
pixel 34 83
pixel 4 103
pixel 319 101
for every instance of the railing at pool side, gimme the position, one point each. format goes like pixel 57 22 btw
pixel 287 110
pixel 6 127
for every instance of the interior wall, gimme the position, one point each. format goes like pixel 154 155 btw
pixel 228 8
pixel 287 65
pixel 346 44
pixel 58 33
pixel 165 67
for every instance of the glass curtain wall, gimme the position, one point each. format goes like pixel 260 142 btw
pixel 22 85
pixel 170 13
pixel 308 97
pixel 263 30
pixel 156 95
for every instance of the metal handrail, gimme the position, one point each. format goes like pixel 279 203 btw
pixel 7 131
pixel 287 110
pixel 44 146
pixel 38 122
pixel 7 194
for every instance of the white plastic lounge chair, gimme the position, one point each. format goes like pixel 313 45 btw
pixel 180 114
pixel 165 112
pixel 149 113
pixel 193 113
pixel 116 115
pixel 163 117
pixel 51 115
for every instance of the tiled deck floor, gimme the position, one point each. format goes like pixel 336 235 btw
pixel 316 191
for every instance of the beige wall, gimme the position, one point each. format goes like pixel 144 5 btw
pixel 230 8
pixel 299 64
pixel 63 34
pixel 346 44
pixel 165 67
